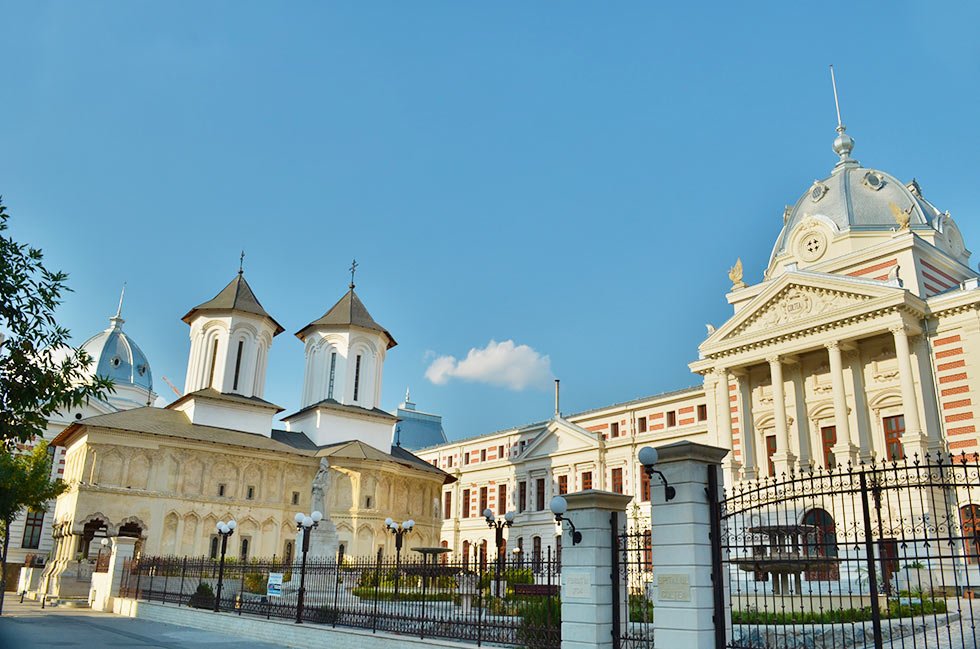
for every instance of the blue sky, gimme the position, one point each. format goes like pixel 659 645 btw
pixel 573 177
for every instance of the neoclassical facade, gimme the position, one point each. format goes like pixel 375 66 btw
pixel 861 342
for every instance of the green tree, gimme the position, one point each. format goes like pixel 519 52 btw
pixel 40 373
pixel 25 482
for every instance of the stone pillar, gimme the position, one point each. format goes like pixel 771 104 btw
pixel 782 458
pixel 586 570
pixel 105 586
pixel 913 441
pixel 724 408
pixel 684 597
pixel 845 450
pixel 750 459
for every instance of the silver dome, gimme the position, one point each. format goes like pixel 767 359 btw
pixel 859 198
pixel 116 356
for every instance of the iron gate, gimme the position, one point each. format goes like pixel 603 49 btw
pixel 878 555
pixel 632 577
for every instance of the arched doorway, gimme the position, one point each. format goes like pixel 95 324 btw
pixel 821 545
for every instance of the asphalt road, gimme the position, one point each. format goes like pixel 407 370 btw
pixel 26 626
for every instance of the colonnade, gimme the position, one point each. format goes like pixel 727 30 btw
pixel 848 445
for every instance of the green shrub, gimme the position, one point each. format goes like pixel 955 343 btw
pixel 203 597
pixel 255 582
pixel 519 576
pixel 641 609
pixel 895 609
pixel 540 623
pixel 368 593
pixel 322 615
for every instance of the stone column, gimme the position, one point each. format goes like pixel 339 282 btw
pixel 782 458
pixel 913 441
pixel 684 597
pixel 750 460
pixel 586 570
pixel 845 450
pixel 723 405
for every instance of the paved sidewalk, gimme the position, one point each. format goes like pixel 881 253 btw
pixel 27 626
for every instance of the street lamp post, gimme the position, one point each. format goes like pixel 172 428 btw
pixel 399 530
pixel 498 527
pixel 224 530
pixel 304 524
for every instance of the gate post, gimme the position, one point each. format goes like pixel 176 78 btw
pixel 586 569
pixel 688 603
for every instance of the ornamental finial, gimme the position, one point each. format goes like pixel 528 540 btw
pixel 735 274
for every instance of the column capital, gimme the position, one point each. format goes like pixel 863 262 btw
pixel 898 329
pixel 773 359
pixel 720 372
pixel 833 344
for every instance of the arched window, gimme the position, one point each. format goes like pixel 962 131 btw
pixel 970 524
pixel 536 553
pixel 333 374
pixel 238 363
pixel 466 553
pixel 821 542
pixel 357 376
pixel 214 361
pixel 483 556
pixel 288 552
pixel 444 558
pixel 213 552
pixel 243 555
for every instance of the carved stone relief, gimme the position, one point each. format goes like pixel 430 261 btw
pixel 797 303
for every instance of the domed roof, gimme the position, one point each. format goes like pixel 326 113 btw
pixel 116 356
pixel 856 198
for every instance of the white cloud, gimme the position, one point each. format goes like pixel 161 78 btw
pixel 503 364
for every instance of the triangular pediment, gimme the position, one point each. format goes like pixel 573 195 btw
pixel 801 300
pixel 560 436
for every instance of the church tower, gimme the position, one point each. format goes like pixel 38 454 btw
pixel 345 354
pixel 230 339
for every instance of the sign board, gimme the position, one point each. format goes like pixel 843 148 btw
pixel 274 586
pixel 674 588
pixel 578 585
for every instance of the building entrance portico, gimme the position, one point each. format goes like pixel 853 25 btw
pixel 790 368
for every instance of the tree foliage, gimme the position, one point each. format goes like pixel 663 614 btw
pixel 40 373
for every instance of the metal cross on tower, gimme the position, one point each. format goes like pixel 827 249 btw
pixel 353 269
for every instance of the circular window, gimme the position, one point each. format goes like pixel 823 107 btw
pixel 812 246
pixel 874 180
pixel 141 370
pixel 817 191
pixel 115 362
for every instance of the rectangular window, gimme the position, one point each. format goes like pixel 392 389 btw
pixel 295 497
pixel 238 363
pixel 465 504
pixel 770 451
pixel 586 480
pixel 702 412
pixel 828 437
pixel 483 455
pixel 562 485
pixel 221 490
pixel 450 461
pixel 539 494
pixel 214 362
pixel 672 418
pixel 614 429
pixel 500 452
pixel 447 505
pixel 250 493
pixel 521 496
pixel 641 425
pixel 357 376
pixel 333 374
pixel 644 485
pixel 466 458
pixel 483 501
pixel 617 481
pixel 894 428
pixel 32 530
pixel 536 553
pixel 501 499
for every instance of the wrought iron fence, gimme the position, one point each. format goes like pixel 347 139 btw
pixel 882 554
pixel 508 604
pixel 632 589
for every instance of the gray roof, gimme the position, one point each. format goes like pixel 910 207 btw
pixel 348 311
pixel 173 423
pixel 333 404
pixel 211 393
pixel 237 296
pixel 116 356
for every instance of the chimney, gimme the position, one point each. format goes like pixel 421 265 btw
pixel 557 389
